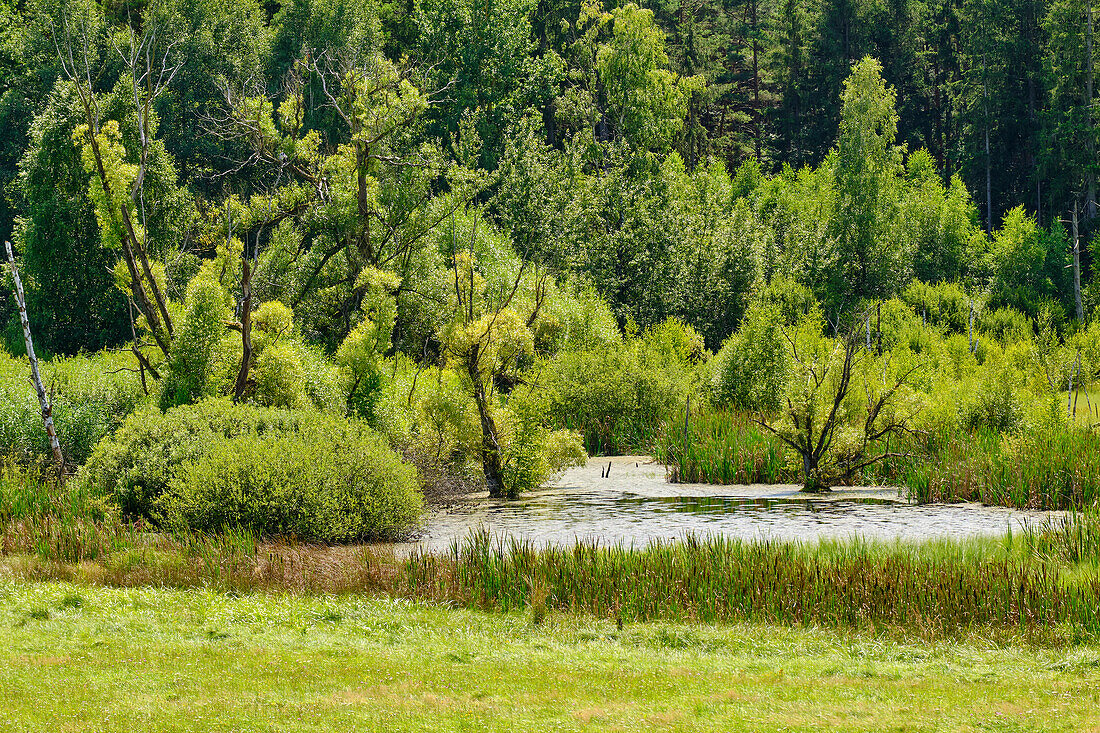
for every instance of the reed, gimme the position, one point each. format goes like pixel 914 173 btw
pixel 715 579
pixel 55 522
pixel 1043 582
pixel 1053 467
pixel 1046 467
pixel 1073 538
pixel 721 447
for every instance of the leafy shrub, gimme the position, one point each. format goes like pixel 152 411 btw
pixel 214 464
pixel 750 371
pixel 616 397
pixel 532 454
pixel 945 305
pixel 91 396
pixel 326 482
pixel 191 372
pixel 994 406
pixel 1006 324
pixel 675 340
pixel 573 318
pixel 286 372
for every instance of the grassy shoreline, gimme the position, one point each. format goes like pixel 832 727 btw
pixel 1043 585
pixel 150 659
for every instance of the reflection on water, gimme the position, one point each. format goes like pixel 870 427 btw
pixel 635 505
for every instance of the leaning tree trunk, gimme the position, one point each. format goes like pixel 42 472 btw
pixel 241 384
pixel 491 463
pixel 47 410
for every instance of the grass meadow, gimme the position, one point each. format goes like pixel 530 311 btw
pixel 155 659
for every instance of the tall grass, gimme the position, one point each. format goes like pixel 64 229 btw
pixel 1043 581
pixel 1073 538
pixel 57 523
pixel 718 580
pixel 721 447
pixel 1052 467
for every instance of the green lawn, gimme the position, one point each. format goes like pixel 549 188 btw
pixel 94 659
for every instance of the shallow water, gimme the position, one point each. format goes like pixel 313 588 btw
pixel 635 505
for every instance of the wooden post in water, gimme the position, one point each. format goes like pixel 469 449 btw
pixel 687 424
pixel 47 410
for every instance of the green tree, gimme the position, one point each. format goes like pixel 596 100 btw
pixel 218 46
pixel 646 103
pixel 480 51
pixel 71 292
pixel 1072 153
pixel 1027 265
pixel 866 164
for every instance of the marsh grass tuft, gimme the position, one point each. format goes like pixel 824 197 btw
pixel 722 447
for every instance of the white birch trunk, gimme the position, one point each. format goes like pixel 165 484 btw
pixel 1077 269
pixel 47 410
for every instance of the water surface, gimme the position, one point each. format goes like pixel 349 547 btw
pixel 634 504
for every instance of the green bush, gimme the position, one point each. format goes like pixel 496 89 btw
pixel 322 483
pixel 944 305
pixel 616 397
pixel 532 454
pixel 1006 324
pixel 91 396
pixel 192 371
pixel 993 406
pixel 215 465
pixel 750 371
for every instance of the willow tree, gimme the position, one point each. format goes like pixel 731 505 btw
pixel 494 311
pixel 841 405
pixel 119 175
pixel 363 199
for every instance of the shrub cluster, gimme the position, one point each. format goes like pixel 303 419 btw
pixel 214 465
pixel 616 396
pixel 91 396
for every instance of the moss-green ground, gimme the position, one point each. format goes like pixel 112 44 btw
pixel 95 659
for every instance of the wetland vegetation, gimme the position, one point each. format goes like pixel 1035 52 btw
pixel 304 277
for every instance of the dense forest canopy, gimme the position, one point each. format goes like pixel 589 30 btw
pixel 675 156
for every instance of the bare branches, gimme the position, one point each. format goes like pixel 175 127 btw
pixel 817 408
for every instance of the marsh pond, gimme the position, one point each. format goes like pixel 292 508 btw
pixel 634 504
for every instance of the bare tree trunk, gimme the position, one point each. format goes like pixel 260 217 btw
pixel 756 112
pixel 246 330
pixel 988 158
pixel 1077 268
pixel 1090 204
pixel 988 186
pixel 47 410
